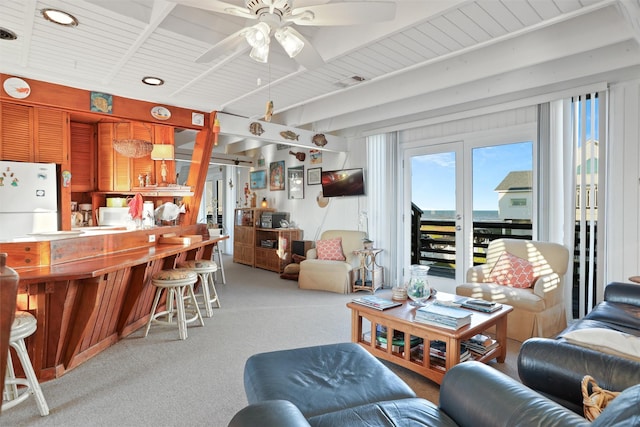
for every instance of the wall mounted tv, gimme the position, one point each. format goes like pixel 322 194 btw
pixel 344 182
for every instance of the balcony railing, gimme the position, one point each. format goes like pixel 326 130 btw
pixel 433 244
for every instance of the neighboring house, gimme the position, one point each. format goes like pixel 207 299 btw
pixel 587 199
pixel 515 197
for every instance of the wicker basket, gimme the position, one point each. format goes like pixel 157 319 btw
pixel 595 402
pixel 133 147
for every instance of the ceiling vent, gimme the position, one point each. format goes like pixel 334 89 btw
pixel 7 35
pixel 350 81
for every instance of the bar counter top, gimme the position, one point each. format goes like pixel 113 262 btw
pixel 102 264
pixel 89 291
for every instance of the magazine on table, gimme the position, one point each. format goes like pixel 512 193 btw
pixel 376 302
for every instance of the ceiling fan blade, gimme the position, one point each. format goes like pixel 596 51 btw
pixel 218 6
pixel 223 47
pixel 308 57
pixel 350 13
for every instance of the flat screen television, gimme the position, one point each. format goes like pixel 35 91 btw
pixel 344 182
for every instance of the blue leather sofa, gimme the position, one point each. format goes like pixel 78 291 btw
pixel 343 385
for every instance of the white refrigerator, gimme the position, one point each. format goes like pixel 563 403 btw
pixel 28 199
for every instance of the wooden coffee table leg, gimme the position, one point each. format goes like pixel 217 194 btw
pixel 501 337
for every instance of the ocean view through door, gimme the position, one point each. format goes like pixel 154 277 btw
pixel 463 195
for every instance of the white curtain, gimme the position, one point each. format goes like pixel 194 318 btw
pixel 382 176
pixel 573 153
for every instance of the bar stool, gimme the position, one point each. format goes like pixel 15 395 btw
pixel 205 270
pixel 179 286
pixel 23 326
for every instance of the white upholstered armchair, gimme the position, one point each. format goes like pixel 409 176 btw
pixel 331 275
pixel 538 310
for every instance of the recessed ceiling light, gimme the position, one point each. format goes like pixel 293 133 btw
pixel 7 34
pixel 152 81
pixel 59 17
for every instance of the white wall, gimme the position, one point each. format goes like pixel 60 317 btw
pixel 341 213
pixel 622 245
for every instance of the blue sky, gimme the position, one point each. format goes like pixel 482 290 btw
pixel 433 184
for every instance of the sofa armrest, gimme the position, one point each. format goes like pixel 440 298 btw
pixel 270 413
pixel 548 288
pixel 556 368
pixel 478 273
pixel 474 394
pixel 627 293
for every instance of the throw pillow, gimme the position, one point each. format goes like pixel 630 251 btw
pixel 512 271
pixel 330 249
pixel 607 341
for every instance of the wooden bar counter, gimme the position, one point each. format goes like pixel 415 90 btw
pixel 88 292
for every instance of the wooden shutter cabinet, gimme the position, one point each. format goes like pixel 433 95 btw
pixel 83 159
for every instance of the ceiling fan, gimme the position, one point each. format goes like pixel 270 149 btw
pixel 276 17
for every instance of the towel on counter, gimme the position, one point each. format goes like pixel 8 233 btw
pixel 136 206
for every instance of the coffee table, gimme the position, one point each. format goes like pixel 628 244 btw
pixel 400 321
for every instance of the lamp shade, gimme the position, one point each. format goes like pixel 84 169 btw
pixel 258 35
pixel 289 41
pixel 260 54
pixel 162 152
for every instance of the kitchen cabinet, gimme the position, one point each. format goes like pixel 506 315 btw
pixel 83 158
pixel 34 134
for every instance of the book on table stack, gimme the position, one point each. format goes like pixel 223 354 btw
pixel 376 302
pixel 443 316
pixel 438 353
pixel 480 344
pixel 480 305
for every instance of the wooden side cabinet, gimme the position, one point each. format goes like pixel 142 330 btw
pixel 244 234
pixel 273 247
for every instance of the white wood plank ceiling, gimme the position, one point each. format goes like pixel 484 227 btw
pixel 118 42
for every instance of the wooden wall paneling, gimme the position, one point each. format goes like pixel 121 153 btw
pixel 142 165
pixel 122 178
pixel 82 156
pixel 78 100
pixel 165 135
pixel 16 132
pixel 56 326
pixel 84 308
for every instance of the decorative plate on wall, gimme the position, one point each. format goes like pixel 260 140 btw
pixel 160 113
pixel 16 88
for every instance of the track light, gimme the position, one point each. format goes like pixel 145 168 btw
pixel 289 41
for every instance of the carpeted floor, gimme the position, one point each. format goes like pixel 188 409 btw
pixel 162 381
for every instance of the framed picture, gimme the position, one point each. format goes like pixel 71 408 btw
pixel 276 176
pixel 258 180
pixel 315 156
pixel 295 176
pixel 313 176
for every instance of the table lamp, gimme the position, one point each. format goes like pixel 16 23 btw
pixel 162 152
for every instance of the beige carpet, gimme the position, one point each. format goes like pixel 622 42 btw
pixel 161 381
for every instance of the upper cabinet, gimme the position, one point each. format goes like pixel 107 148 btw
pixel 117 172
pixel 83 157
pixel 33 134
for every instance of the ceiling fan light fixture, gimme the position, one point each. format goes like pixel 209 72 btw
pixel 260 54
pixel 289 41
pixel 258 35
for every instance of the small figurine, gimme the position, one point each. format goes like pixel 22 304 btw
pixel 147 179
pixel 141 180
